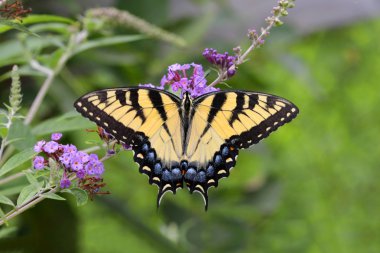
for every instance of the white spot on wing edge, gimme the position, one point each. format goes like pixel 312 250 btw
pixel 203 196
pixel 159 201
pixel 146 168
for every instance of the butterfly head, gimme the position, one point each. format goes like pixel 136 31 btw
pixel 187 101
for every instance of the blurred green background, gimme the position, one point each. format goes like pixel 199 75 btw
pixel 310 187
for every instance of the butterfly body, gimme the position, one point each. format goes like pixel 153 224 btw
pixel 192 141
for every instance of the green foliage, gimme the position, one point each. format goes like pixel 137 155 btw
pixel 104 42
pixel 28 193
pixel 16 160
pixel 67 122
pixel 79 194
pixel 6 25
pixel 6 201
pixel 50 195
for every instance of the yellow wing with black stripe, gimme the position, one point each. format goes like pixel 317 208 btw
pixel 223 122
pixel 148 120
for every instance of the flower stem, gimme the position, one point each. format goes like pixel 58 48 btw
pixel 255 43
pixel 75 39
pixel 38 100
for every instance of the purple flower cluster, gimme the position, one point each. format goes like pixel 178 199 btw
pixel 70 159
pixel 224 61
pixel 190 78
pixel 186 78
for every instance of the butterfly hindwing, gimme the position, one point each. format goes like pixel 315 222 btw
pixel 146 119
pixel 222 123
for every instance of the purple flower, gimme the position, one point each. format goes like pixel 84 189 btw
pixel 224 61
pixel 69 148
pixel 70 160
pixel 186 78
pixel 39 145
pixel 38 162
pixel 56 136
pixel 50 147
pixel 65 159
pixel 95 168
pixel 76 164
pixel 93 158
pixel 81 173
pixel 98 168
pixel 82 156
pixel 65 183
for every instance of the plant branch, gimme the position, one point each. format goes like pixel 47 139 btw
pixel 75 39
pixel 26 206
pixel 256 41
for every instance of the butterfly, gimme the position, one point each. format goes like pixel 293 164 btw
pixel 194 141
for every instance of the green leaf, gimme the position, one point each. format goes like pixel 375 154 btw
pixel 50 195
pixel 32 19
pixel 17 160
pixel 22 133
pixel 27 193
pixel 6 231
pixel 51 27
pixel 80 195
pixel 6 201
pixel 12 190
pixel 3 132
pixel 108 42
pixel 62 124
pixel 51 60
pixel 13 52
pixel 14 25
pixel 31 178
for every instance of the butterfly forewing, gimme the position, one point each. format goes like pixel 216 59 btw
pixel 146 119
